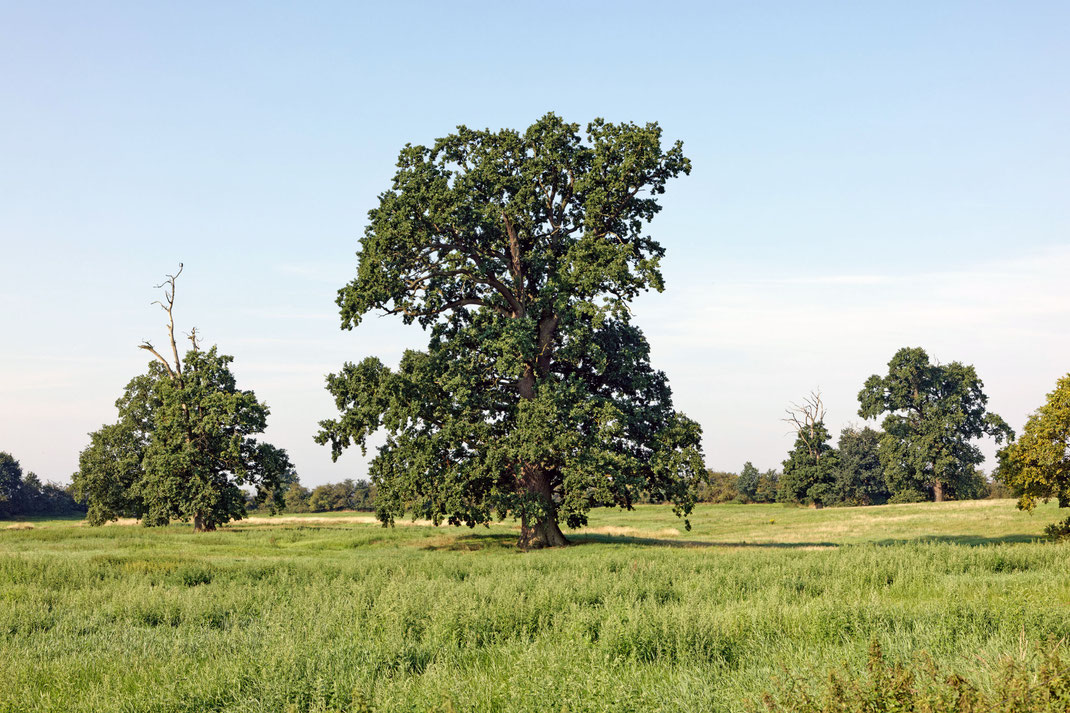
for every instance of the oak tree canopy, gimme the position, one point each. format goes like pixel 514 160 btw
pixel 1036 467
pixel 934 413
pixel 518 252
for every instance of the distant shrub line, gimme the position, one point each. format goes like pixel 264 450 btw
pixel 331 497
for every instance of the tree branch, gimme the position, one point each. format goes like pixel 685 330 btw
pixel 149 348
pixel 456 304
pixel 170 298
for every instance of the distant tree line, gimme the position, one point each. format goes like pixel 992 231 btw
pixel 24 495
pixel 925 449
pixel 748 486
pixel 348 495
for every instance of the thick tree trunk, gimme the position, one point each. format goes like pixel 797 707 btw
pixel 199 525
pixel 938 491
pixel 540 531
pixel 545 533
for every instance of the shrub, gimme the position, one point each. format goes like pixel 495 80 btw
pixel 1058 531
pixel 720 487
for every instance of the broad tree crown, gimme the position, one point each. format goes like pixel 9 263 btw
pixel 519 252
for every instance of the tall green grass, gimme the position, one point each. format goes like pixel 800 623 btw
pixel 318 615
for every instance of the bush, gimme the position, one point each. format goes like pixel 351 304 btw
pixel 997 490
pixel 720 487
pixel 908 495
pixel 1039 682
pixel 1058 531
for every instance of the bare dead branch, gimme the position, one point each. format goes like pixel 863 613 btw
pixel 804 419
pixel 151 349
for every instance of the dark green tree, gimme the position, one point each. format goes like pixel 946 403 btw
pixel 109 469
pixel 860 477
pixel 535 397
pixel 748 481
pixel 23 495
pixel 768 485
pixel 184 444
pixel 327 497
pixel 10 484
pixel 934 413
pixel 810 469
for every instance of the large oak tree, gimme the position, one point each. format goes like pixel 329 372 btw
pixel 535 397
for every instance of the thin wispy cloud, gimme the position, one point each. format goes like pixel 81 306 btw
pixel 739 350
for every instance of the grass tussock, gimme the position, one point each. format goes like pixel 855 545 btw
pixel 1036 680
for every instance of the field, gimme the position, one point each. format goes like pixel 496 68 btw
pixel 332 613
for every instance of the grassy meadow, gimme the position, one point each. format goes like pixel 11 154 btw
pixel 334 613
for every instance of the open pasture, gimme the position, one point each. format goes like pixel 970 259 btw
pixel 331 613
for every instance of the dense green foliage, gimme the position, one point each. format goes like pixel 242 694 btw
pixel 1037 466
pixel 750 486
pixel 182 449
pixel 24 495
pixel 810 469
pixel 342 617
pixel 934 413
pixel 10 478
pixel 535 397
pixel 748 481
pixel 719 487
pixel 329 497
pixel 860 476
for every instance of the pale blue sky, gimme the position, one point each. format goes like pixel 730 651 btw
pixel 866 176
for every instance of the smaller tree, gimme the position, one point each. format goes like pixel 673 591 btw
pixel 810 470
pixel 768 484
pixel 934 413
pixel 860 477
pixel 364 496
pixel 748 480
pixel 719 487
pixel 109 472
pixel 184 445
pixel 322 498
pixel 296 498
pixel 1036 467
pixel 10 483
